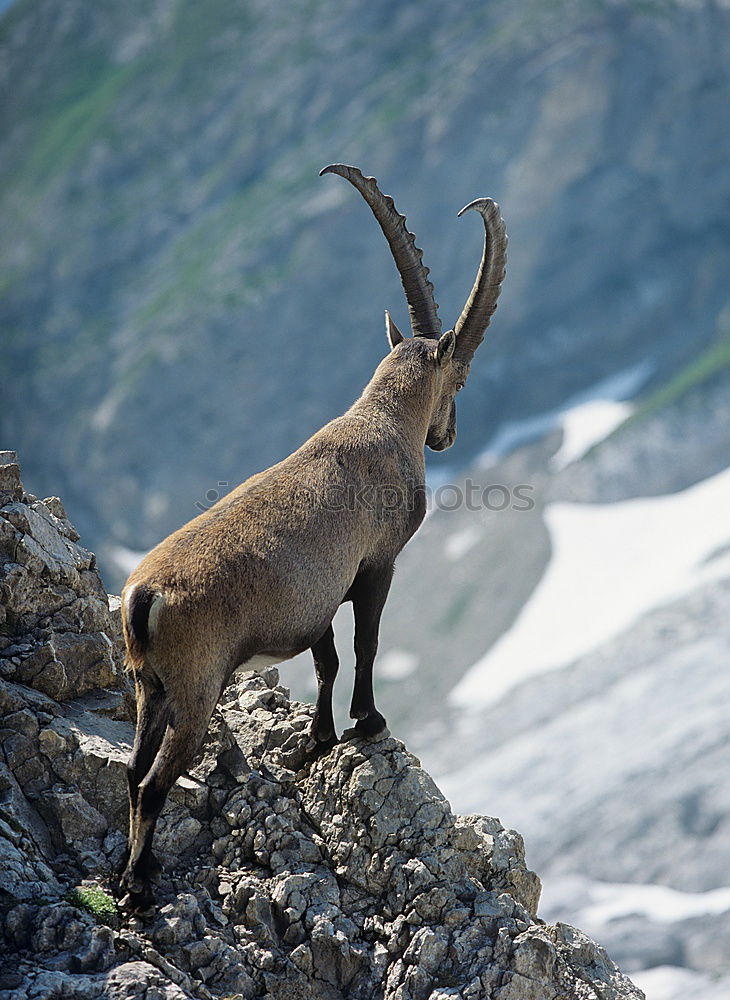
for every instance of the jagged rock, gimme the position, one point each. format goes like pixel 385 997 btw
pixel 11 487
pixel 346 876
pixel 56 629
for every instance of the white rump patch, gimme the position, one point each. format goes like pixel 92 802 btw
pixel 155 608
pixel 154 614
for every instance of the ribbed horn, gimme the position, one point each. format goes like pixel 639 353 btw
pixel 408 258
pixel 482 301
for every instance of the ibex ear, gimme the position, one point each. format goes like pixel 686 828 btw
pixel 445 350
pixel 392 332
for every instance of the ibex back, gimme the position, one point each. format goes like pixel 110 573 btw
pixel 258 578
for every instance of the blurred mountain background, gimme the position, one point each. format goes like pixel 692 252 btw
pixel 183 301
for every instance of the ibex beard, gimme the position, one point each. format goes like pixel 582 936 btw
pixel 258 577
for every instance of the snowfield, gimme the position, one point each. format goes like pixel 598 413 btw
pixel 586 425
pixel 610 565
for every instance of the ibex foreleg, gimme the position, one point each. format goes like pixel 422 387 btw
pixel 369 593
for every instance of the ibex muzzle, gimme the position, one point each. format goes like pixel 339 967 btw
pixel 259 577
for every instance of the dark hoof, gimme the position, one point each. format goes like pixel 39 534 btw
pixel 319 748
pixel 119 881
pixel 138 901
pixel 323 747
pixel 148 867
pixel 372 725
pixel 322 733
pixel 371 728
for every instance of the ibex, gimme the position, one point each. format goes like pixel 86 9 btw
pixel 258 577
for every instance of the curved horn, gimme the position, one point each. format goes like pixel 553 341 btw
pixel 482 301
pixel 408 258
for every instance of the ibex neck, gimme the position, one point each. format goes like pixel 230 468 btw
pixel 404 399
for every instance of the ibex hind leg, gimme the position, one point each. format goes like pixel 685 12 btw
pixel 369 593
pixel 326 664
pixel 182 739
pixel 152 715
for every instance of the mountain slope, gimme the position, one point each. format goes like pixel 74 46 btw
pixel 184 300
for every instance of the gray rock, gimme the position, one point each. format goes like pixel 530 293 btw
pixel 45 541
pixel 67 665
pixel 11 487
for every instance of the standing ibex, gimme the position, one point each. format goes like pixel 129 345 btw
pixel 258 577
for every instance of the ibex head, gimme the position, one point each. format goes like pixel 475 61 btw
pixel 453 351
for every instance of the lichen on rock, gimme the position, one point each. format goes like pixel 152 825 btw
pixel 346 876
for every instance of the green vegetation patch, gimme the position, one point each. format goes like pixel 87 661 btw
pixel 704 367
pixel 76 122
pixel 94 900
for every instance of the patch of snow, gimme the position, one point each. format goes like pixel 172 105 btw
pixel 656 902
pixel 458 544
pixel 397 664
pixel 514 433
pixel 611 563
pixel 671 982
pixel 594 904
pixel 586 425
pixel 586 418
pixel 105 413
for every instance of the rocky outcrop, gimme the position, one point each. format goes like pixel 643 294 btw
pixel 346 876
pixel 54 614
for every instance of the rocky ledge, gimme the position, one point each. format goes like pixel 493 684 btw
pixel 342 878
